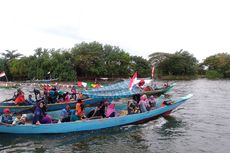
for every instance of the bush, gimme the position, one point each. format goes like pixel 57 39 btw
pixel 212 74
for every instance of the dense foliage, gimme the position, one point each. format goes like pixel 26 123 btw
pixel 218 66
pixel 181 63
pixel 84 60
pixel 94 60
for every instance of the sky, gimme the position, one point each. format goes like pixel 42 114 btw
pixel 140 27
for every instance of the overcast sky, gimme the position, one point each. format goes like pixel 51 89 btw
pixel 140 27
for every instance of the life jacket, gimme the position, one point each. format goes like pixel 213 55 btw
pixel 79 110
pixel 19 99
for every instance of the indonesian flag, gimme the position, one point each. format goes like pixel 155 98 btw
pixel 132 81
pixel 152 72
pixel 2 74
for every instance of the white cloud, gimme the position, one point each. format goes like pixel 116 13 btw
pixel 139 27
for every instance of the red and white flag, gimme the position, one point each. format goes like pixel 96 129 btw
pixel 2 74
pixel 152 72
pixel 132 81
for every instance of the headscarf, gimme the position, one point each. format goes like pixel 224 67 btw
pixel 110 110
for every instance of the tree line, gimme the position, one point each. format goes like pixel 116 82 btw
pixel 94 60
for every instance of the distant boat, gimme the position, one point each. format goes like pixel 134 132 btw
pixel 8 85
pixel 45 80
pixel 95 124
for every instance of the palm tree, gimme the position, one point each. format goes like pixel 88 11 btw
pixel 11 54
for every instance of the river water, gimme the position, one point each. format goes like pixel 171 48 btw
pixel 201 125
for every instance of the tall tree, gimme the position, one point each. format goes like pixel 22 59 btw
pixel 11 54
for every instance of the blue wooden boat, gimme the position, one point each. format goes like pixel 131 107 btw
pixel 123 92
pixel 87 125
pixel 50 107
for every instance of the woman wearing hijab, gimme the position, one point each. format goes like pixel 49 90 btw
pixel 111 112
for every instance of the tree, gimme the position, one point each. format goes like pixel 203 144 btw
pixel 141 65
pixel 180 63
pixel 11 54
pixel 220 63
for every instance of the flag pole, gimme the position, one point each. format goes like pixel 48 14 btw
pixel 6 78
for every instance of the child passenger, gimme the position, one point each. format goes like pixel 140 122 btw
pixel 20 119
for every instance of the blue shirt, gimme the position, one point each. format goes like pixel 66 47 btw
pixel 7 119
pixel 65 113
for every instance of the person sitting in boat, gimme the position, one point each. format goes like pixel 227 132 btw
pixel 143 104
pixel 20 119
pixel 80 96
pixel 61 96
pixel 73 93
pixel 40 116
pixel 65 114
pixel 80 109
pixel 37 93
pixel 29 100
pixel 132 108
pixel 99 111
pixel 141 83
pixel 19 97
pixel 67 97
pixel 46 90
pixel 111 112
pixel 7 117
pixel 152 102
pixel 53 94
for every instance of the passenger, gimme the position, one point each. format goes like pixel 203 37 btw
pixel 111 112
pixel 99 111
pixel 7 116
pixel 30 101
pixel 152 102
pixel 80 96
pixel 37 94
pixel 53 94
pixel 19 97
pixel 40 116
pixel 67 97
pixel 143 104
pixel 61 96
pixel 20 119
pixel 73 93
pixel 80 109
pixel 132 109
pixel 65 114
pixel 141 83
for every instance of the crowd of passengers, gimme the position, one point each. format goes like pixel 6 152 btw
pixel 103 110
pixel 50 95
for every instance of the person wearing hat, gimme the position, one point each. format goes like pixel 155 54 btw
pixel 7 116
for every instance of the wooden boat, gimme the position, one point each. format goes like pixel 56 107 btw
pixel 124 92
pixel 50 107
pixel 96 124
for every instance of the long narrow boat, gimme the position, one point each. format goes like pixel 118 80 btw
pixel 96 124
pixel 50 107
pixel 124 92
